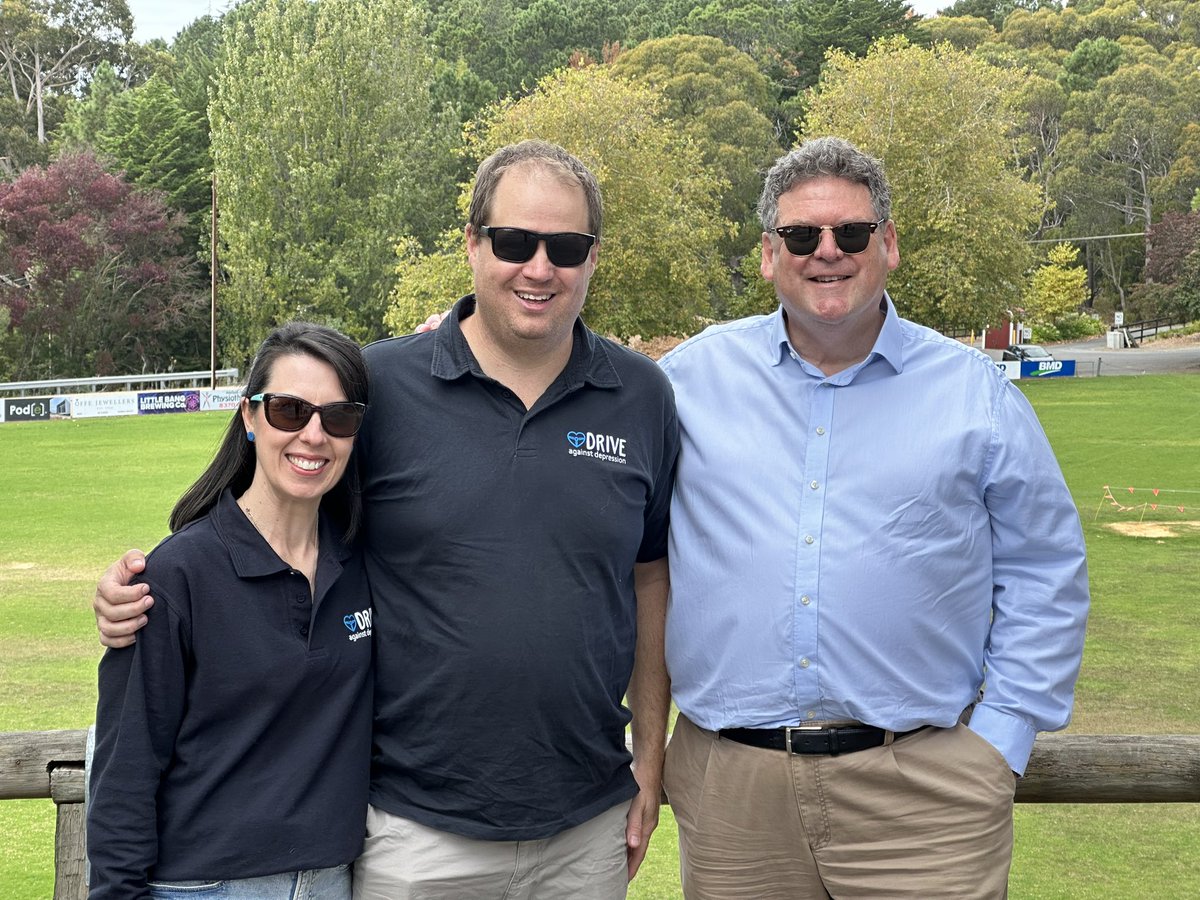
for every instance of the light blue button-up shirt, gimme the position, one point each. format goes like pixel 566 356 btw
pixel 877 545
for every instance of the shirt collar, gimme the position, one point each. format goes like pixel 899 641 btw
pixel 252 556
pixel 590 362
pixel 889 344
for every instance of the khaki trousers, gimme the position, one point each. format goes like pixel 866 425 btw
pixel 928 816
pixel 403 860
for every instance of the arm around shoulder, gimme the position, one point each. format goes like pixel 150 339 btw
pixel 120 606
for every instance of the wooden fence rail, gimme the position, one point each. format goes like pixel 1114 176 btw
pixel 1064 768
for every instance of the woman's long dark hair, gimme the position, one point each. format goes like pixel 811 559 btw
pixel 233 465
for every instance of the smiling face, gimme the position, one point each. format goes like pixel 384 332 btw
pixel 830 292
pixel 297 466
pixel 528 308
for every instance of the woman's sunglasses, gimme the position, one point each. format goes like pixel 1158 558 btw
pixel 288 413
pixel 566 249
pixel 803 240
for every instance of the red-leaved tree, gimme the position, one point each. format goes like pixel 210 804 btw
pixel 94 277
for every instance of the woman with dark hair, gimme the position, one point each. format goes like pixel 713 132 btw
pixel 233 739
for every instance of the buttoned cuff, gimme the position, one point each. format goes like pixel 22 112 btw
pixel 1012 736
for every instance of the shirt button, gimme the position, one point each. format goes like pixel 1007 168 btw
pixel 804 662
pixel 805 600
pixel 808 539
pixel 300 598
pixel 304 631
pixel 814 485
pixel 820 430
pixel 810 715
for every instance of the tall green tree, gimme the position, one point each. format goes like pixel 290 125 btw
pixel 718 98
pixel 1126 142
pixel 961 32
pixel 789 38
pixel 1057 288
pixel 87 116
pixel 510 44
pixel 195 57
pixel 326 154
pixel 149 134
pixel 942 122
pixel 161 144
pixel 660 271
pixel 48 46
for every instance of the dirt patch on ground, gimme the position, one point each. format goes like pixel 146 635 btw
pixel 1153 529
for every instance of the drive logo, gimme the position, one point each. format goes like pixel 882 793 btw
pixel 359 624
pixel 604 447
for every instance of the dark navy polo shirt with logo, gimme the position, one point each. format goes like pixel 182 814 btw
pixel 501 544
pixel 233 739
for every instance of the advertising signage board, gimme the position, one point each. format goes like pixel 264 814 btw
pixel 26 409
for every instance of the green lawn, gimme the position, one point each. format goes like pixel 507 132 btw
pixel 76 494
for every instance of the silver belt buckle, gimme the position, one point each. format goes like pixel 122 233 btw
pixel 787 733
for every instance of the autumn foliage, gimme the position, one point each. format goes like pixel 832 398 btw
pixel 94 278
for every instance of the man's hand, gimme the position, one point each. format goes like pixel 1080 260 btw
pixel 120 607
pixel 432 322
pixel 641 822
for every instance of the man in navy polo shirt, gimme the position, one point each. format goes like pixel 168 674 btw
pixel 517 473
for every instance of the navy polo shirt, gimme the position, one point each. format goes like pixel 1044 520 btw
pixel 233 739
pixel 500 546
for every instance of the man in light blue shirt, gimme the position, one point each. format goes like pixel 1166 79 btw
pixel 871 545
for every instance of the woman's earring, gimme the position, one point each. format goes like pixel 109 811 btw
pixel 250 436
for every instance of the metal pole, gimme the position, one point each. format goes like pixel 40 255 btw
pixel 212 336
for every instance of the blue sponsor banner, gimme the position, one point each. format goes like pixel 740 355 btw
pixel 1050 368
pixel 168 402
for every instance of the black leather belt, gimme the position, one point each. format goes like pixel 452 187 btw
pixel 803 739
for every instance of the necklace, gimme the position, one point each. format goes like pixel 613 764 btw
pixel 246 509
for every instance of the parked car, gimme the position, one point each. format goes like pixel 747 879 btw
pixel 1031 352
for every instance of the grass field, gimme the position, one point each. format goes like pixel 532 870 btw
pixel 76 494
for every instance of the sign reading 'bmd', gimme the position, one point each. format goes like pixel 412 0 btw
pixel 1049 368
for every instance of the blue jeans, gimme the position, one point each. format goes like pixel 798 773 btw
pixel 308 884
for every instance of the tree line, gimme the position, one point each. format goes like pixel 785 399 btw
pixel 1044 158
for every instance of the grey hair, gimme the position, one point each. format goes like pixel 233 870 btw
pixel 824 157
pixel 550 157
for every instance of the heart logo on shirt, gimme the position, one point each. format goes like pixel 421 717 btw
pixel 350 622
pixel 576 438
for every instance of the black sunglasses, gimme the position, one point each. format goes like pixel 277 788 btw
pixel 852 237
pixel 566 249
pixel 288 413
